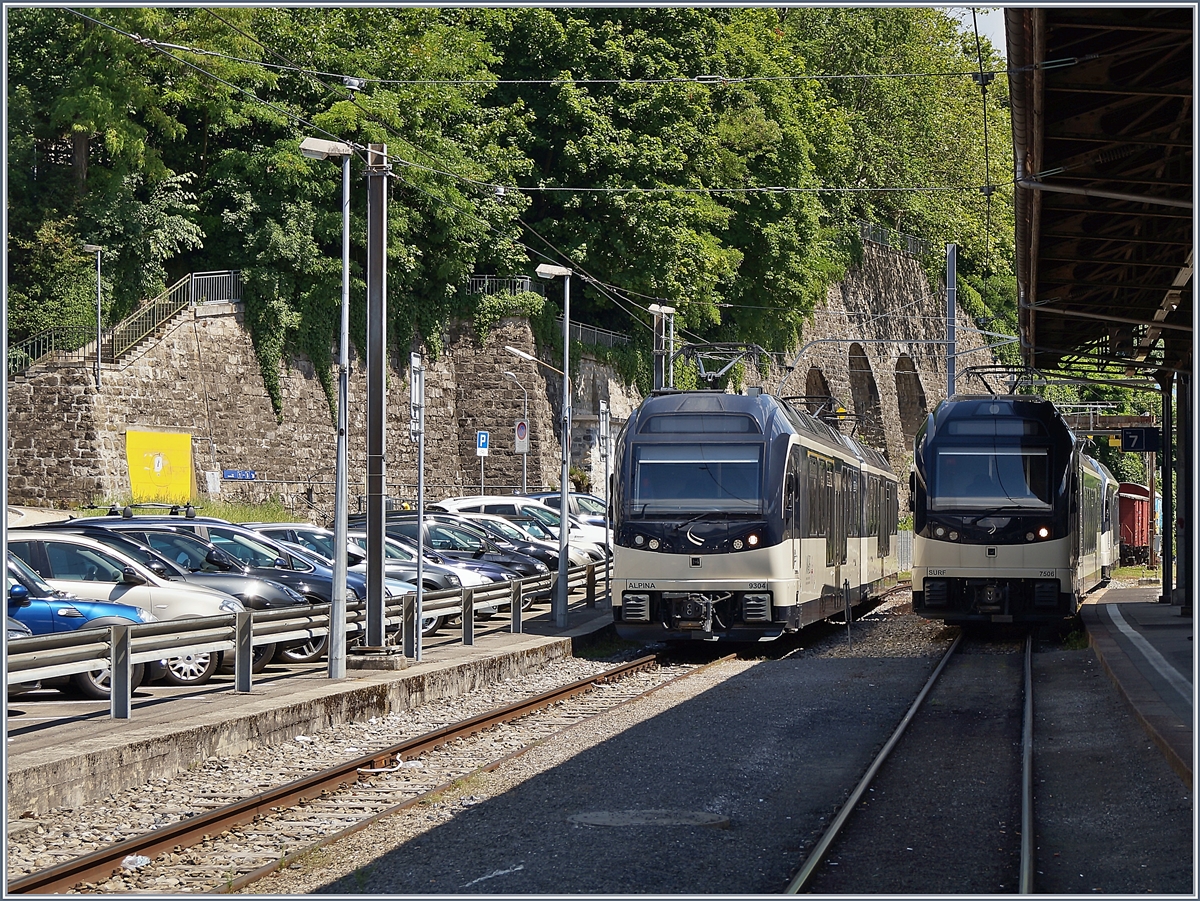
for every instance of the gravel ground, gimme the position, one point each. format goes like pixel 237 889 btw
pixel 766 749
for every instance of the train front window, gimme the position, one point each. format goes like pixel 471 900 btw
pixel 724 478
pixel 975 477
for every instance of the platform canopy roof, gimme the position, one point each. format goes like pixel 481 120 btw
pixel 1102 101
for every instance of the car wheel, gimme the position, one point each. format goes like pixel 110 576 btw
pixel 261 655
pixel 430 625
pixel 191 669
pixel 97 684
pixel 308 652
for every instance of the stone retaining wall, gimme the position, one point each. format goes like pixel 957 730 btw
pixel 67 443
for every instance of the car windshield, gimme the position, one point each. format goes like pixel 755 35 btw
pixel 543 515
pixel 392 550
pixel 697 477
pixel 444 538
pixel 591 505
pixel 535 529
pixel 26 574
pixel 188 551
pixel 316 541
pixel 142 554
pixel 509 531
pixel 973 477
pixel 248 551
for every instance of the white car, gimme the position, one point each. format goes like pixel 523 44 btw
pixel 526 508
pixel 84 567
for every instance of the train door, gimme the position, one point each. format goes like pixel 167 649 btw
pixel 793 510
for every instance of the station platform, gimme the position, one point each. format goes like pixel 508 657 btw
pixel 1147 649
pixel 70 753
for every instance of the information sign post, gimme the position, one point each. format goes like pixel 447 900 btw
pixel 481 451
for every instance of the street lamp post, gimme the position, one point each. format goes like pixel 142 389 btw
pixel 95 248
pixel 315 148
pixel 560 586
pixel 525 419
pixel 549 271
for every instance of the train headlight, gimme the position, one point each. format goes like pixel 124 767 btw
pixel 1029 536
pixel 654 544
pixel 954 536
pixel 738 544
pixel 639 540
pixel 939 532
pixel 752 540
pixel 1043 532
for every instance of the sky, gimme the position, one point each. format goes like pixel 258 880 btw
pixel 991 24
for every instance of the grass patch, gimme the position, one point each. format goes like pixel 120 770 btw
pixel 235 511
pixel 1133 573
pixel 606 647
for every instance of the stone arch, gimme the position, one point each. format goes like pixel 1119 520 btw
pixel 910 398
pixel 865 394
pixel 815 389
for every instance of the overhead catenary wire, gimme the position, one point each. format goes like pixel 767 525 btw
pixel 607 291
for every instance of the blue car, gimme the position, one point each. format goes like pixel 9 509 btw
pixel 45 610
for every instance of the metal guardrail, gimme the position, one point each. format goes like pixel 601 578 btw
pixel 590 334
pixel 889 237
pixel 84 650
pixel 489 285
pixel 78 343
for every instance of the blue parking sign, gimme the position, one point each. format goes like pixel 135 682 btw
pixel 481 444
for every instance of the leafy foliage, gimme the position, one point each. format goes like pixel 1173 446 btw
pixel 726 156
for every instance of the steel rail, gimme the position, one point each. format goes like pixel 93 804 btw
pixel 105 862
pixel 802 878
pixel 253 876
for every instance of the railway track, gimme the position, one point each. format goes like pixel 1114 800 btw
pixel 917 775
pixel 224 842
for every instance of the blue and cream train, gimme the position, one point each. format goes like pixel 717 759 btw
pixel 741 517
pixel 1012 521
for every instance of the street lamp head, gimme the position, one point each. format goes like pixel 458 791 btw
pixel 318 149
pixel 510 375
pixel 92 248
pixel 549 270
pixel 520 353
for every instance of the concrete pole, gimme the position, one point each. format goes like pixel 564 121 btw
pixel 337 612
pixel 561 589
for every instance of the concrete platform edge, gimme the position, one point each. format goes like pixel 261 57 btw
pixel 1124 678
pixel 82 775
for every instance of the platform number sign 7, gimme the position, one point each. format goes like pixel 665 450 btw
pixel 1142 441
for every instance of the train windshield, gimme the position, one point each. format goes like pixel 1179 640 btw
pixel 974 477
pixel 725 478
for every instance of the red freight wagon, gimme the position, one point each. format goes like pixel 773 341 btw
pixel 1134 503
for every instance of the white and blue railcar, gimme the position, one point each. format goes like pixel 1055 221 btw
pixel 1012 521
pixel 741 517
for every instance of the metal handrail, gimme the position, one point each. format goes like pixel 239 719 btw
pixel 75 343
pixel 87 649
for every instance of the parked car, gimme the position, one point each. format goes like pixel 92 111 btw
pixel 398 563
pixel 255 554
pixel 40 609
pixel 512 535
pixel 526 508
pixel 589 508
pixel 462 542
pixel 255 593
pixel 94 571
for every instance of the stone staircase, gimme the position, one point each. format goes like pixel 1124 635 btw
pixel 76 345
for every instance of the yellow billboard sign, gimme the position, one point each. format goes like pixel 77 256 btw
pixel 160 465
